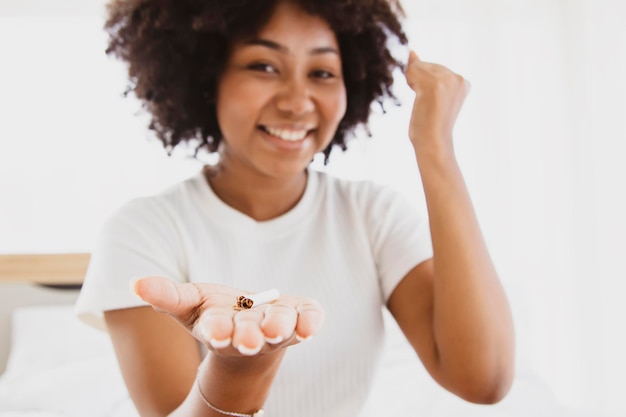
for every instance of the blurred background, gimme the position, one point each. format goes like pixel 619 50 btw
pixel 541 141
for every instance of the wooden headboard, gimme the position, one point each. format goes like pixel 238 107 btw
pixel 46 269
pixel 36 280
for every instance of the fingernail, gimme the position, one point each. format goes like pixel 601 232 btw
pixel 220 344
pixel 303 339
pixel 274 340
pixel 245 350
pixel 132 285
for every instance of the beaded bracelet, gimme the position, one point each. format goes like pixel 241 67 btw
pixel 257 413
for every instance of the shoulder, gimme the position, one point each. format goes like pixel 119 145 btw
pixel 363 195
pixel 159 209
pixel 360 188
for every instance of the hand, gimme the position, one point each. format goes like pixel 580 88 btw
pixel 439 95
pixel 206 311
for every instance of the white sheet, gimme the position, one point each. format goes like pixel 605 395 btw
pixel 60 367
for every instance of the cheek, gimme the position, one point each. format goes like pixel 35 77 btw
pixel 238 107
pixel 335 106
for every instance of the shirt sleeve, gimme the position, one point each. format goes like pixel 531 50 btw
pixel 399 235
pixel 139 240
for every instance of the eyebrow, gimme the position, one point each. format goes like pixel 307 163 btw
pixel 281 48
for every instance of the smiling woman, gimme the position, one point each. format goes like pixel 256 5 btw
pixel 280 99
pixel 169 50
pixel 269 85
pixel 539 141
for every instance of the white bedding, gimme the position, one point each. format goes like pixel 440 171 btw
pixel 60 367
pixel 403 388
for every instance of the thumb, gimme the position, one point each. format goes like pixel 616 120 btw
pixel 413 57
pixel 165 295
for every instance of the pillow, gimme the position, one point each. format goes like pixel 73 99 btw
pixel 59 365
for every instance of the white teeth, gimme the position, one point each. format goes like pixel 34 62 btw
pixel 285 134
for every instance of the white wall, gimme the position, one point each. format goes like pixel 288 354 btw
pixel 72 148
pixel 541 141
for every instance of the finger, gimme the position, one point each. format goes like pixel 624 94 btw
pixel 413 57
pixel 216 327
pixel 310 319
pixel 468 86
pixel 166 295
pixel 279 323
pixel 413 69
pixel 247 335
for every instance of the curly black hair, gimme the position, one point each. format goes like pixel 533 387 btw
pixel 175 51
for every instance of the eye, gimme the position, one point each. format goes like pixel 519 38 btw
pixel 262 67
pixel 322 74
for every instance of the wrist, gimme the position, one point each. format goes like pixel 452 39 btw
pixel 243 410
pixel 237 386
pixel 254 366
pixel 435 147
pixel 434 155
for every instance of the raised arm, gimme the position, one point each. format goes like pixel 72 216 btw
pixel 158 349
pixel 452 308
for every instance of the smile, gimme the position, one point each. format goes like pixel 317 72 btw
pixel 289 135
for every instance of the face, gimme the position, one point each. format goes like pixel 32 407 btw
pixel 281 96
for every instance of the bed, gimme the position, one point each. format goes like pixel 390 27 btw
pixel 56 366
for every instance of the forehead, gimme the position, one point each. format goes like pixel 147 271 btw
pixel 291 26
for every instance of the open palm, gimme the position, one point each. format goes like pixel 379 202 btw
pixel 207 312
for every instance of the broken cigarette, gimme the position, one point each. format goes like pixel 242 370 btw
pixel 252 300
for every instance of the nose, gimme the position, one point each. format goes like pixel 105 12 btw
pixel 295 98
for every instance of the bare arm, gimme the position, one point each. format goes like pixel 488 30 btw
pixel 159 356
pixel 452 308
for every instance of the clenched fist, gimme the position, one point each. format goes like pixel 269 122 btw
pixel 439 95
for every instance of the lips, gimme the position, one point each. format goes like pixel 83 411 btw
pixel 287 134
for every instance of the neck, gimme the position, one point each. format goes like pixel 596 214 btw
pixel 261 198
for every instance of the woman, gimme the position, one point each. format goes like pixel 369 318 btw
pixel 269 84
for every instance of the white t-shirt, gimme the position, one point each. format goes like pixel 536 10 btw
pixel 346 244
